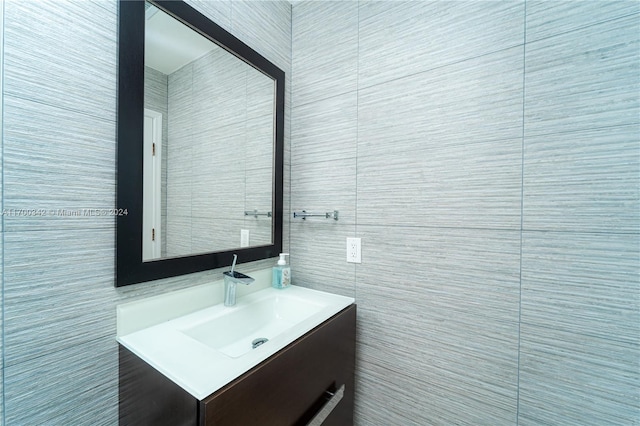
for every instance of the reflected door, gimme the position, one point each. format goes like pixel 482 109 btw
pixel 151 234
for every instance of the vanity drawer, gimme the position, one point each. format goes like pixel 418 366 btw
pixel 290 387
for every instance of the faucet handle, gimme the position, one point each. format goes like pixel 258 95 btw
pixel 238 277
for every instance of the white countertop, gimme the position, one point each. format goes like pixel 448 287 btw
pixel 200 369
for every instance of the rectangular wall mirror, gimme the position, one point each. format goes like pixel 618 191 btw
pixel 200 145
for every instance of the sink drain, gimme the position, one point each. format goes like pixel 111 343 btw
pixel 259 341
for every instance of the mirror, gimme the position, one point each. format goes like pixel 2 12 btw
pixel 200 145
pixel 208 144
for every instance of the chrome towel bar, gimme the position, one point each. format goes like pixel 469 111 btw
pixel 304 215
pixel 256 213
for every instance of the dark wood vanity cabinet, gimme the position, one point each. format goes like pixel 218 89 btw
pixel 289 388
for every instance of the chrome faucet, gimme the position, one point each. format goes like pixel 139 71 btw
pixel 231 280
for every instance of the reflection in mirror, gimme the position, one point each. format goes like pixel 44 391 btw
pixel 209 145
pixel 215 113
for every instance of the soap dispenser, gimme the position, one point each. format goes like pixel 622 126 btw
pixel 281 277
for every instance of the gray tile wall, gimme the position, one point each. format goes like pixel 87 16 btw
pixel 1 227
pixel 219 155
pixel 59 149
pixel 488 155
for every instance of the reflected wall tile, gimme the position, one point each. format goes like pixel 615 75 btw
pixel 259 192
pixel 258 142
pixel 178 236
pixel 211 234
pixel 260 231
pixel 584 79
pixel 398 39
pixel 326 50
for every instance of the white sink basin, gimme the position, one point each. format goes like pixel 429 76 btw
pixel 204 350
pixel 234 330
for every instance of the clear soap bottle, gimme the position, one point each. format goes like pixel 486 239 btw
pixel 281 275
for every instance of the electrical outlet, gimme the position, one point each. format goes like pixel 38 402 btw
pixel 353 250
pixel 244 238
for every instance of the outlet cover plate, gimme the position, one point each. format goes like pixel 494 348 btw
pixel 354 254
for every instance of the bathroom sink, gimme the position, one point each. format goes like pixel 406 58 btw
pixel 237 330
pixel 204 350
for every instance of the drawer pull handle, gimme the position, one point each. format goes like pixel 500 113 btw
pixel 333 398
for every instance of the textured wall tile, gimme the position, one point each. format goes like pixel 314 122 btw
pixel 409 380
pixel 324 187
pixel 1 317
pixel 325 130
pixel 57 53
pixel 548 18
pixel 443 185
pixel 51 304
pixel 449 271
pixel 588 284
pixel 474 100
pixel 397 39
pixel 219 11
pixel 568 378
pixel 580 329
pixel 1 221
pixel 444 147
pixel 584 79
pixel 583 181
pixel 40 172
pixel 438 312
pixel 266 27
pixel 74 386
pixel 326 50
pixel 319 262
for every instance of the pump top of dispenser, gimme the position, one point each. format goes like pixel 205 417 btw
pixel 282 260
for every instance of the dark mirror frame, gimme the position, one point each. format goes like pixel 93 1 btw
pixel 130 269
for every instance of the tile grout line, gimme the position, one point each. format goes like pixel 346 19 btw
pixel 2 240
pixel 524 50
pixel 355 269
